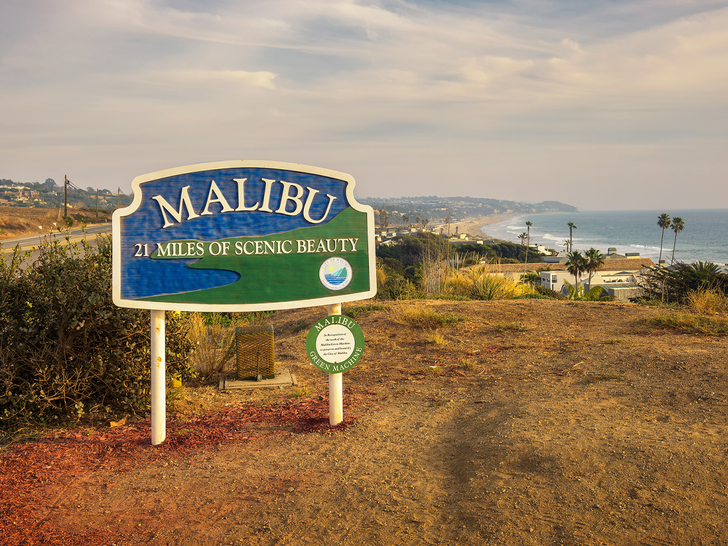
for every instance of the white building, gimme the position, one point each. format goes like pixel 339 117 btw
pixel 618 276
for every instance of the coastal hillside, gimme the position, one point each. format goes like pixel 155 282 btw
pixel 472 422
pixel 49 194
pixel 439 209
pixel 20 221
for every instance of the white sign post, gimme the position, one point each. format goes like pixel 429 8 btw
pixel 336 385
pixel 159 390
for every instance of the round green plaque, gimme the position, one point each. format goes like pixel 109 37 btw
pixel 335 344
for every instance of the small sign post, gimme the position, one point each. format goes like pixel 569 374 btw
pixel 240 236
pixel 335 344
pixel 336 385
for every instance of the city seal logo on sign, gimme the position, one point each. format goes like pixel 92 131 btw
pixel 243 236
pixel 335 273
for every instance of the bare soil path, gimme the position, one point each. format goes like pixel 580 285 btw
pixel 538 422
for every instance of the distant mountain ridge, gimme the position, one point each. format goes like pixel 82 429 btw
pixel 439 208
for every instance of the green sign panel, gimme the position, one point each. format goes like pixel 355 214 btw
pixel 335 344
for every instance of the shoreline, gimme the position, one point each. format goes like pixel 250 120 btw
pixel 474 226
pixel 630 232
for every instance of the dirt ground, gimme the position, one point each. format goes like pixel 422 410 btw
pixel 530 422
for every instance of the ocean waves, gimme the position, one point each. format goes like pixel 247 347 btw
pixel 703 238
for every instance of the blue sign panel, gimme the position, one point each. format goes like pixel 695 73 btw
pixel 243 236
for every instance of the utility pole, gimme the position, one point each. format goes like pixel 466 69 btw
pixel 65 197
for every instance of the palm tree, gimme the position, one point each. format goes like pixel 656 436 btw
pixel 594 260
pixel 383 218
pixel 677 226
pixel 663 221
pixel 532 278
pixel 405 219
pixel 572 227
pixel 576 264
pixel 528 243
pixel 577 292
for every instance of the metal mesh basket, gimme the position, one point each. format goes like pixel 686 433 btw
pixel 255 352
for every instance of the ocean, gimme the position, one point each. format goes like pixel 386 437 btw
pixel 705 236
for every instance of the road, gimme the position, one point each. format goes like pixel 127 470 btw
pixel 32 242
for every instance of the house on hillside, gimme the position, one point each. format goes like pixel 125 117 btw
pixel 512 272
pixel 557 258
pixel 618 276
pixel 542 250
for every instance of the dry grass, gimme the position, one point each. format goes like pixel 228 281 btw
pixel 422 316
pixel 477 283
pixel 20 221
pixel 361 310
pixel 708 302
pixel 683 323
pixel 438 339
pixel 301 392
pixel 381 274
pixel 509 327
pixel 17 221
pixel 707 316
pixel 211 338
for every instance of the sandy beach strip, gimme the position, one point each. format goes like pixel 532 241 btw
pixel 472 226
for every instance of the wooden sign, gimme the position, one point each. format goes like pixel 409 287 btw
pixel 243 236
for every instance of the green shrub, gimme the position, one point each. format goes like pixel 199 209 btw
pixel 411 250
pixel 576 292
pixel 65 348
pixel 676 283
pixel 547 292
pixel 392 283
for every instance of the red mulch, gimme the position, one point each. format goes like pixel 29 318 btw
pixel 34 474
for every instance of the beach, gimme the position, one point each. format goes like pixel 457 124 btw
pixel 473 226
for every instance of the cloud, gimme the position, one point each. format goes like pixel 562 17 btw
pixel 571 44
pixel 199 78
pixel 381 85
pixel 487 69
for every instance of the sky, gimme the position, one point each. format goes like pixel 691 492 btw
pixel 614 104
